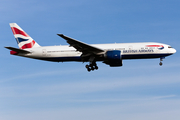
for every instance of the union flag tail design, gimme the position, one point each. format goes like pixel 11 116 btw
pixel 23 39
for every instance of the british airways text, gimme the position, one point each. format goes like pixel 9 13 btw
pixel 138 51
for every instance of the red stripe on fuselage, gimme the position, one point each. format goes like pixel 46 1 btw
pixel 17 31
pixel 28 45
pixel 154 46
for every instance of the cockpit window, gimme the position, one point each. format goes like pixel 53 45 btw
pixel 169 47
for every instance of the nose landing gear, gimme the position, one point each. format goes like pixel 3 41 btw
pixel 161 59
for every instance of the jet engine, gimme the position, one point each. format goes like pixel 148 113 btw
pixel 113 58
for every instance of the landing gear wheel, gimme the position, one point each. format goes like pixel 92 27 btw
pixel 96 67
pixel 88 69
pixel 161 59
pixel 87 66
pixel 91 67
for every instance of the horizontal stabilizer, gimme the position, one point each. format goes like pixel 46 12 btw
pixel 18 50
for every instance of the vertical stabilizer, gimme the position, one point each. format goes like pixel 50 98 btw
pixel 23 39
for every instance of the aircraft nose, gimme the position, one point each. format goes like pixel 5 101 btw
pixel 173 50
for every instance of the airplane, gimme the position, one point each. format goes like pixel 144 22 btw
pixel 110 54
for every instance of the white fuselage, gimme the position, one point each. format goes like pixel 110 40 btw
pixel 110 54
pixel 128 51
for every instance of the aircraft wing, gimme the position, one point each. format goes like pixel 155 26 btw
pixel 18 50
pixel 80 46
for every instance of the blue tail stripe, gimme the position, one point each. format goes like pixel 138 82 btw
pixel 21 40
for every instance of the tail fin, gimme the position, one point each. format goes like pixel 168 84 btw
pixel 23 39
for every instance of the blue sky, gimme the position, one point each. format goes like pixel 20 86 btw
pixel 140 89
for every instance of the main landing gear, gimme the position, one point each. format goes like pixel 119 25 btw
pixel 161 59
pixel 91 67
pixel 92 64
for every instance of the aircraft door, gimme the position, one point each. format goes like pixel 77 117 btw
pixel 44 52
pixel 130 47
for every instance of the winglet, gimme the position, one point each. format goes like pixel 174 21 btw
pixel 63 36
pixel 60 35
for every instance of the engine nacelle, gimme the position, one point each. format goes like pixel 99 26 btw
pixel 113 58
